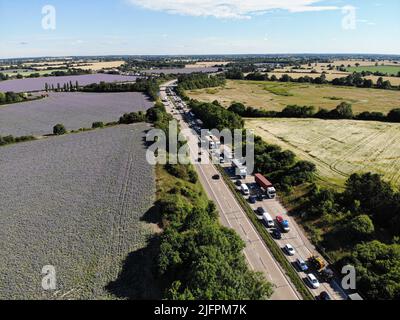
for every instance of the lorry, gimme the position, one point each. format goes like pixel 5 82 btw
pixel 241 170
pixel 266 185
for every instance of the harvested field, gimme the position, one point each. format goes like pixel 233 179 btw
pixel 277 95
pixel 73 109
pixel 38 84
pixel 95 66
pixel 207 64
pixel 75 202
pixel 338 148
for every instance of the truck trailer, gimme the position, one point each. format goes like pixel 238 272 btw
pixel 266 185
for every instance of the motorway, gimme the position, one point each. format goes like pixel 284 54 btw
pixel 233 216
pixel 304 248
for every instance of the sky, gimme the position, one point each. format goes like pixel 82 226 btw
pixel 28 28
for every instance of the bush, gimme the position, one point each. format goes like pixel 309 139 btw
pixel 59 130
pixel 394 115
pixel 96 125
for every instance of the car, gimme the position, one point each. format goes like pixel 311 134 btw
pixel 276 234
pixel 252 199
pixel 260 197
pixel 260 211
pixel 216 177
pixel 302 265
pixel 313 281
pixel 279 219
pixel 238 183
pixel 325 296
pixel 290 250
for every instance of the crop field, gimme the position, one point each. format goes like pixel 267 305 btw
pixel 73 109
pixel 390 70
pixel 28 72
pixel 98 65
pixel 277 95
pixel 338 148
pixel 75 202
pixel 38 84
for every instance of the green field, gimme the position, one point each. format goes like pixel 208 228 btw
pixel 338 148
pixel 277 95
pixel 27 72
pixel 389 70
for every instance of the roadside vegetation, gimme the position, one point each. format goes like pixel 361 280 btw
pixel 147 86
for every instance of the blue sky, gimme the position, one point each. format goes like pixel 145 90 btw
pixel 106 27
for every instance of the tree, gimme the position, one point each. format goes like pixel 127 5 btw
pixel 361 227
pixel 343 111
pixel 238 108
pixel 96 125
pixel 59 130
pixel 378 270
pixel 394 115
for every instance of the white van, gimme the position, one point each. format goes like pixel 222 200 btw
pixel 269 222
pixel 245 189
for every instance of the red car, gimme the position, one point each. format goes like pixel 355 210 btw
pixel 279 219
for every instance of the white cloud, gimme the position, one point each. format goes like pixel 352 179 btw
pixel 230 9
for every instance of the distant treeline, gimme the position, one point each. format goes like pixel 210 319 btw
pixel 66 87
pixel 343 111
pixel 148 86
pixel 352 80
pixel 133 64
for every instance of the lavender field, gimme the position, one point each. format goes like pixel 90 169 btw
pixel 74 202
pixel 75 110
pixel 38 84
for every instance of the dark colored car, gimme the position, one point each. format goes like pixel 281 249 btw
pixel 238 183
pixel 276 234
pixel 216 177
pixel 260 211
pixel 252 199
pixel 325 296
pixel 260 197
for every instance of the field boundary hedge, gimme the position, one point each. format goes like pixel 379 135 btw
pixel 271 244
